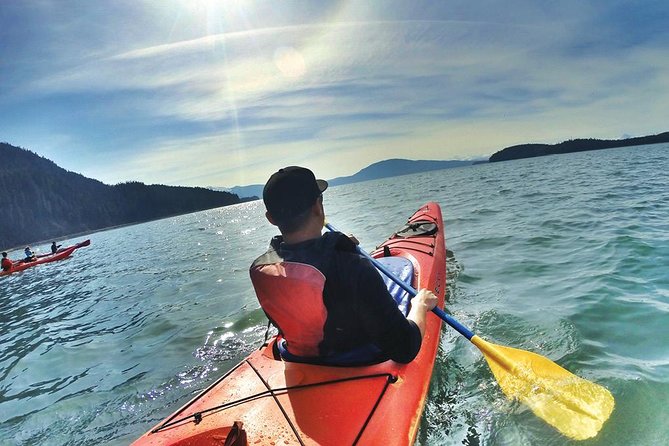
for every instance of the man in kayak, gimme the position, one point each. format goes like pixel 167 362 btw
pixel 6 263
pixel 30 255
pixel 54 247
pixel 325 298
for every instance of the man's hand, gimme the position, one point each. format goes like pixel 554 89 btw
pixel 421 304
pixel 426 298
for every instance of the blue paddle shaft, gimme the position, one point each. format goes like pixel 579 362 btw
pixel 464 331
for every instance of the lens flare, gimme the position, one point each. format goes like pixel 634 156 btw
pixel 290 62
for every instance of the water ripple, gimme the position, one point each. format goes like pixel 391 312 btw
pixel 564 256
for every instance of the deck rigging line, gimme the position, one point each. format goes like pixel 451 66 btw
pixel 196 417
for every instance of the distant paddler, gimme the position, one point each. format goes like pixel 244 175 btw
pixel 6 263
pixel 54 247
pixel 30 255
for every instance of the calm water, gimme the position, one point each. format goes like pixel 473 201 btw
pixel 565 255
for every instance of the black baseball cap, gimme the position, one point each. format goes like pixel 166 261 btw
pixel 291 191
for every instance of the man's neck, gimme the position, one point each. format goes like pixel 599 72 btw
pixel 301 236
pixel 309 232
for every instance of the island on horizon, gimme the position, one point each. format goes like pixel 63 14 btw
pixel 574 145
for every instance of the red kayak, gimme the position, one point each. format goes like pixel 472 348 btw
pixel 265 400
pixel 19 265
pixel 78 245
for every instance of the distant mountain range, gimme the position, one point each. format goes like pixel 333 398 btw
pixel 381 169
pixel 41 201
pixel 395 167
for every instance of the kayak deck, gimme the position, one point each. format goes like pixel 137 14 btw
pixel 277 404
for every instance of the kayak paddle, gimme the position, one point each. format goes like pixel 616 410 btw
pixel 574 406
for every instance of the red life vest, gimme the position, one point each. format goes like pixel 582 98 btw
pixel 6 264
pixel 291 294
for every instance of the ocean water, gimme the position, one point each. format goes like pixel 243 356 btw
pixel 566 256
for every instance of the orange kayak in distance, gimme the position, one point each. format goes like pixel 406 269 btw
pixel 62 253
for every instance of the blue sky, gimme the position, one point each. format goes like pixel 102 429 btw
pixel 223 93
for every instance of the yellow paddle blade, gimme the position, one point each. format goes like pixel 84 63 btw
pixel 574 406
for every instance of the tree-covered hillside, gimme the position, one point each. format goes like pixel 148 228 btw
pixel 40 200
pixel 574 145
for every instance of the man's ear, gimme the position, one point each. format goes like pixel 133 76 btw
pixel 317 208
pixel 269 218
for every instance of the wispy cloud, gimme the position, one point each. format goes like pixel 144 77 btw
pixel 199 96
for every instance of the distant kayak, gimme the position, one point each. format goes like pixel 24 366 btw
pixel 78 245
pixel 63 253
pixel 266 401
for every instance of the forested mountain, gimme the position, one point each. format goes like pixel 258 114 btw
pixel 574 145
pixel 40 200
